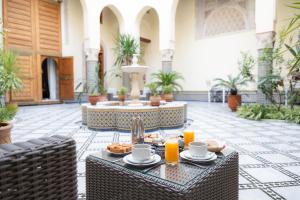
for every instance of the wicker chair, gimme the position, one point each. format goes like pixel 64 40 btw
pixel 41 169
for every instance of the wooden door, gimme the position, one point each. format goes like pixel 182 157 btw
pixel 27 75
pixel 101 64
pixel 66 79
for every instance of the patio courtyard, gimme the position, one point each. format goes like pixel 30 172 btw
pixel 269 151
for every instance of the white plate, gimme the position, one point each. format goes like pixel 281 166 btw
pixel 117 154
pixel 156 159
pixel 132 160
pixel 208 156
pixel 183 155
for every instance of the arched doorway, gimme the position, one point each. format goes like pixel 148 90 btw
pixel 50 87
pixel 110 24
pixel 148 20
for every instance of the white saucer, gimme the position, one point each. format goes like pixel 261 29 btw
pixel 208 156
pixel 156 159
pixel 132 160
pixel 198 159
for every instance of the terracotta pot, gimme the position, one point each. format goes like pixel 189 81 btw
pixel 168 97
pixel 5 133
pixel 94 99
pixel 155 100
pixel 122 97
pixel 234 101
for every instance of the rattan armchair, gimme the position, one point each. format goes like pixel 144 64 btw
pixel 42 169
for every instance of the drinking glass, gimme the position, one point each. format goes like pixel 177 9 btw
pixel 171 151
pixel 188 136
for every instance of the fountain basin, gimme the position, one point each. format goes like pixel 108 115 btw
pixel 134 69
pixel 110 115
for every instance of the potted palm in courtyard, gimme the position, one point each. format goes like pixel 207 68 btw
pixel 232 84
pixel 154 98
pixel 168 81
pixel 7 113
pixel 167 93
pixel 9 82
pixel 122 94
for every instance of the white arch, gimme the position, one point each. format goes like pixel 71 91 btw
pixel 116 12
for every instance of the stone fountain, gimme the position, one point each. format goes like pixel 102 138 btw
pixel 135 70
pixel 110 115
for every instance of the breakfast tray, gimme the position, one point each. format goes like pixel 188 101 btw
pixel 108 177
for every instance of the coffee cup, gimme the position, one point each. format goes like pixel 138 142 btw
pixel 142 152
pixel 198 149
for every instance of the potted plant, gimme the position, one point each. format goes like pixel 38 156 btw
pixel 9 82
pixel 122 94
pixel 154 98
pixel 125 47
pixel 168 81
pixel 96 93
pixel 232 84
pixel 167 93
pixel 7 113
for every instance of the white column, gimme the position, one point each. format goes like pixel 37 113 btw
pixel 166 37
pixel 265 14
pixel 92 41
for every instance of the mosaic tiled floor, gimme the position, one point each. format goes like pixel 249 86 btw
pixel 269 150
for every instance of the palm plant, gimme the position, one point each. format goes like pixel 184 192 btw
pixel 168 79
pixel 153 87
pixel 232 83
pixel 9 80
pixel 126 47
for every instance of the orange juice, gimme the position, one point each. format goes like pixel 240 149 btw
pixel 172 151
pixel 188 136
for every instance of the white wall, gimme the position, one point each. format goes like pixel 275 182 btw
pixel 73 36
pixel 150 29
pixel 206 59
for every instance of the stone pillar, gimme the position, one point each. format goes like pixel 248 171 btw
pixel 167 58
pixel 265 45
pixel 92 61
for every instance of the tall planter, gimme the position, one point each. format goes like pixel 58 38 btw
pixel 5 133
pixel 234 101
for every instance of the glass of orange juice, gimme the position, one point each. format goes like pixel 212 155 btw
pixel 188 136
pixel 172 151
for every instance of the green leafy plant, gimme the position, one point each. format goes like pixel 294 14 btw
pixel 231 83
pixel 122 91
pixel 170 79
pixel 9 80
pixel 269 86
pixel 246 64
pixel 125 47
pixel 153 87
pixel 259 112
pixel 7 113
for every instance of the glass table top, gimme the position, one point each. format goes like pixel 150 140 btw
pixel 180 174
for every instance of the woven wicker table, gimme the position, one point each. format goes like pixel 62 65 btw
pixel 110 178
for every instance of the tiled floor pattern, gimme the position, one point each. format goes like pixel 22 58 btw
pixel 269 150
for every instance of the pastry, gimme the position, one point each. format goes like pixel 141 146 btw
pixel 119 148
pixel 214 146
